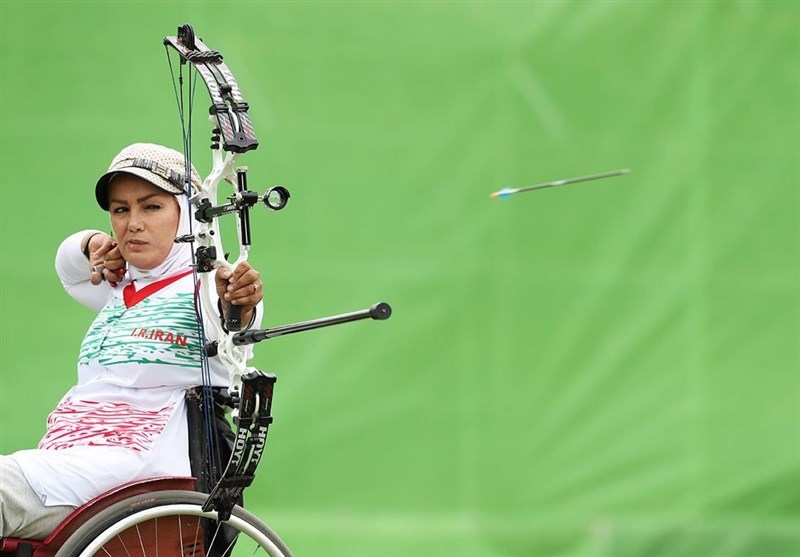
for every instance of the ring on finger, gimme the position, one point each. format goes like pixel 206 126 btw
pixel 255 288
pixel 98 269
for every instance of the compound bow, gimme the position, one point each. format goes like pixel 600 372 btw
pixel 232 135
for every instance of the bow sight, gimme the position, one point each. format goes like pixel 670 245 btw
pixel 275 198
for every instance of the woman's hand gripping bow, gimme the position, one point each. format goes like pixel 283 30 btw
pixel 240 286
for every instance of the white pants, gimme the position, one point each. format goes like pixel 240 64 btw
pixel 22 513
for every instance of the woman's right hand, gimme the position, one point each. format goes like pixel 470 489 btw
pixel 105 260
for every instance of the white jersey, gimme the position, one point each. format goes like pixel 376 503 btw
pixel 125 420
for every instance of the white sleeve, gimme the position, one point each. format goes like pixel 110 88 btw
pixel 73 271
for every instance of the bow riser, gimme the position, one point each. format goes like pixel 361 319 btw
pixel 209 236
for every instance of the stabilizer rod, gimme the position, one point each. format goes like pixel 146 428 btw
pixel 379 311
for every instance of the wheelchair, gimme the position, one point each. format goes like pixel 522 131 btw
pixel 169 516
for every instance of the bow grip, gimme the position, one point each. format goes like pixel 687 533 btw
pixel 233 318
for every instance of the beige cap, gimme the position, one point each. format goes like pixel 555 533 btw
pixel 159 165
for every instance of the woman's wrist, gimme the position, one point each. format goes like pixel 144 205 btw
pixel 86 242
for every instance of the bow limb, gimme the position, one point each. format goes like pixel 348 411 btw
pixel 228 106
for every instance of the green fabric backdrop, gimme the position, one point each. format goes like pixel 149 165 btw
pixel 605 370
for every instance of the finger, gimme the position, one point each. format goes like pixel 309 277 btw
pixel 111 275
pixel 249 290
pixel 96 241
pixel 224 274
pixel 240 277
pixel 97 275
pixel 243 285
pixel 247 297
pixel 114 251
pixel 115 264
pixel 238 272
pixel 107 245
pixel 221 279
pixel 245 300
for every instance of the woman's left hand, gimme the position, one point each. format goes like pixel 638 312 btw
pixel 241 287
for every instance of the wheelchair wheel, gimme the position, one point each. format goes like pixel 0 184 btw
pixel 171 524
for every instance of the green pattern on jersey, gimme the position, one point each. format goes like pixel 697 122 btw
pixel 121 335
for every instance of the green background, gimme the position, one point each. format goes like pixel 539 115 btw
pixel 606 369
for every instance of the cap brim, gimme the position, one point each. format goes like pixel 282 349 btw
pixel 101 189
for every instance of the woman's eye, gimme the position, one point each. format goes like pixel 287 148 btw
pixel 153 206
pixel 120 209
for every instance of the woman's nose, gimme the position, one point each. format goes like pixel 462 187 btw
pixel 135 221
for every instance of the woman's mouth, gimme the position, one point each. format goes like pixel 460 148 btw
pixel 136 244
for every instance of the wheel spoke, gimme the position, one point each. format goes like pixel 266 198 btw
pixel 149 531
pixel 141 542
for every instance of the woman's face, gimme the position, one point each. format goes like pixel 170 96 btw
pixel 144 218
